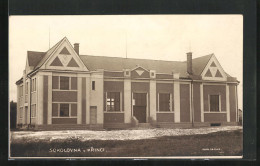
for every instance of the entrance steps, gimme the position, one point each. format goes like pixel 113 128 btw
pixel 144 125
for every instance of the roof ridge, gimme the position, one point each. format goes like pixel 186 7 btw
pixel 131 58
pixel 204 56
pixel 37 51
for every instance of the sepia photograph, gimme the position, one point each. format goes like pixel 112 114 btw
pixel 126 86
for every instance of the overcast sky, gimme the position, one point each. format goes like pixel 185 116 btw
pixel 162 37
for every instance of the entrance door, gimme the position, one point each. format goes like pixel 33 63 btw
pixel 139 107
pixel 93 114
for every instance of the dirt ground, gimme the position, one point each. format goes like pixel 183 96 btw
pixel 139 134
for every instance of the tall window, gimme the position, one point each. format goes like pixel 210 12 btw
pixel 34 84
pixel 93 85
pixel 113 101
pixel 214 103
pixel 164 102
pixel 64 83
pixel 64 110
pixel 26 88
pixel 21 90
pixel 33 109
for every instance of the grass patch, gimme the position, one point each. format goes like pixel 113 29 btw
pixel 224 143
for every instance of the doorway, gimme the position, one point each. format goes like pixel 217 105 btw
pixel 139 106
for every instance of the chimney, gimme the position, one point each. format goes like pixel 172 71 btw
pixel 76 48
pixel 189 62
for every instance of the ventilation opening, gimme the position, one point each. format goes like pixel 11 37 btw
pixel 215 124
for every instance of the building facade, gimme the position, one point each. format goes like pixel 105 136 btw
pixel 62 89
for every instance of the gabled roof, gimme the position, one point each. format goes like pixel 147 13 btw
pixel 34 57
pixel 198 64
pixel 48 53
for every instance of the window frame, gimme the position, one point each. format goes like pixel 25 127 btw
pixel 93 85
pixel 58 116
pixel 69 83
pixel 21 91
pixel 26 87
pixel 170 103
pixel 120 102
pixel 219 103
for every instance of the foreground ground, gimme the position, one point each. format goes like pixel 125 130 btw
pixel 214 141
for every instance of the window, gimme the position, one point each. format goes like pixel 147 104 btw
pixel 34 84
pixel 26 88
pixel 64 83
pixel 21 90
pixel 164 102
pixel 64 110
pixel 113 101
pixel 93 85
pixel 214 103
pixel 33 110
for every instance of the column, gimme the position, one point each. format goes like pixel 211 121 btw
pixel 153 99
pixel 127 100
pixel 49 120
pixel 79 98
pixel 88 84
pixel 227 103
pixel 40 100
pixel 201 103
pixel 177 101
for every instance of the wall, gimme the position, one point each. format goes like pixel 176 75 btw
pixel 45 99
pixel 113 117
pixel 140 87
pixel 215 117
pixel 165 117
pixel 113 74
pixel 196 102
pixel 185 103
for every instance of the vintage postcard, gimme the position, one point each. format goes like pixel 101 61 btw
pixel 126 86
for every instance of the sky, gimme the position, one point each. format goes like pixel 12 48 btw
pixel 161 37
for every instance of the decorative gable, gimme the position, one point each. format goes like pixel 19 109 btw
pixel 64 58
pixel 213 71
pixel 140 72
pixel 72 63
pixel 65 51
pixel 56 62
